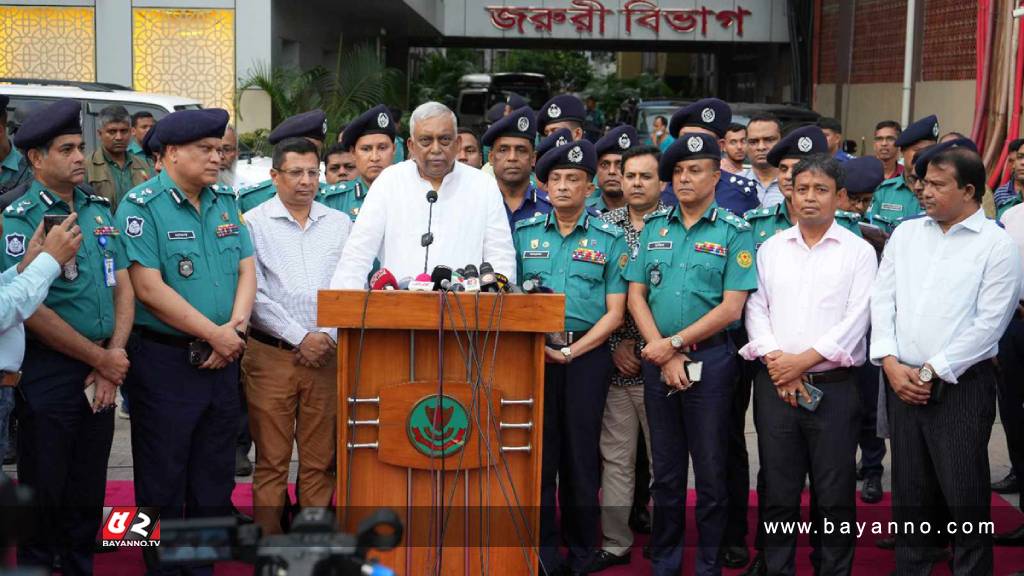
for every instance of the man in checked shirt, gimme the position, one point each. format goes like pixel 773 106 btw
pixel 624 415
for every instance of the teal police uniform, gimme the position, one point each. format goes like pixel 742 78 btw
pixel 892 203
pixel 63 446
pixel 767 222
pixel 14 171
pixel 312 125
pixel 347 197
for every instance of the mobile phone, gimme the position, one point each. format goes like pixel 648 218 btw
pixel 90 394
pixel 51 220
pixel 693 374
pixel 199 352
pixel 938 391
pixel 816 396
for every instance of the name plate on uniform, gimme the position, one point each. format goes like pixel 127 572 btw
pixel 181 235
pixel 890 206
pixel 536 254
pixel 662 245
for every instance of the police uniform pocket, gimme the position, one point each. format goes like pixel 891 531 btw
pixel 708 276
pixel 536 264
pixel 230 249
pixel 586 281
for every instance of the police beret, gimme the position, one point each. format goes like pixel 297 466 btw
pixel 710 113
pixel 376 120
pixel 689 146
pixel 47 122
pixel 495 112
pixel 312 124
pixel 150 143
pixel 925 156
pixel 617 140
pixel 520 123
pixel 561 108
pixel 556 138
pixel 578 154
pixel 516 101
pixel 1015 145
pixel 186 126
pixel 926 128
pixel 804 141
pixel 863 174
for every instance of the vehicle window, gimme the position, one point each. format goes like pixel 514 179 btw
pixel 473 104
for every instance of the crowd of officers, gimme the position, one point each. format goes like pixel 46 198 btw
pixel 153 279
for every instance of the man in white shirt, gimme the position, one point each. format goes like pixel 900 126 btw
pixel 466 224
pixel 946 288
pixel 807 323
pixel 290 363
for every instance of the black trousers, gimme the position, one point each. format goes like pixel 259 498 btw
pixel 738 474
pixel 872 448
pixel 1011 396
pixel 940 453
pixel 795 442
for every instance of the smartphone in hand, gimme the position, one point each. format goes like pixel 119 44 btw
pixel 51 220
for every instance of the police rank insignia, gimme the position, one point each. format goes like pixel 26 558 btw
pixel 710 248
pixel 534 244
pixel 663 232
pixel 655 276
pixel 227 230
pixel 588 255
pixel 185 268
pixel 744 259
pixel 133 226
pixel 15 245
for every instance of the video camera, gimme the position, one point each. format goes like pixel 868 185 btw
pixel 312 548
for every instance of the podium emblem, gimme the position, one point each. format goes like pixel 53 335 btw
pixel 438 426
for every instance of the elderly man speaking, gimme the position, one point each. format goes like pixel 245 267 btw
pixel 459 206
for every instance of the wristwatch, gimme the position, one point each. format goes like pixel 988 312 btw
pixel 567 353
pixel 925 374
pixel 676 341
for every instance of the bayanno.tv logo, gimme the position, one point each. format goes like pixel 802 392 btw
pixel 131 526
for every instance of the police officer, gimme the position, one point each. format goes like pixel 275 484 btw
pixel 798 144
pixel 562 111
pixel 863 176
pixel 572 252
pixel 14 168
pixel 556 138
pixel 895 198
pixel 311 125
pixel 712 116
pixel 511 154
pixel 608 195
pixel 76 341
pixel 371 138
pixel 688 282
pixel 191 264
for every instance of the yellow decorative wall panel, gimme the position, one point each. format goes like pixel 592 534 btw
pixel 52 43
pixel 186 53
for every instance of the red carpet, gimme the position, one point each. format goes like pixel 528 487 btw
pixel 869 560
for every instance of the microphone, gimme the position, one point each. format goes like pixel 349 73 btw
pixel 422 283
pixel 383 279
pixel 502 284
pixel 488 279
pixel 450 286
pixel 403 284
pixel 427 239
pixel 533 286
pixel 441 272
pixel 472 281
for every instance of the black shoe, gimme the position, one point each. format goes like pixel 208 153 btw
pixel 871 490
pixel 242 465
pixel 604 559
pixel 757 567
pixel 734 556
pixel 640 520
pixel 1011 538
pixel 1008 485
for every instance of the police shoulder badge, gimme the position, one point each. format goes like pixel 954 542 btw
pixel 133 226
pixel 623 260
pixel 744 259
pixel 15 245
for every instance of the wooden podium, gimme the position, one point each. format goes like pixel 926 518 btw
pixel 440 414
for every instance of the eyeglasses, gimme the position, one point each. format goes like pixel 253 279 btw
pixel 298 173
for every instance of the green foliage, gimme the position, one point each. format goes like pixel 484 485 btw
pixel 611 91
pixel 358 82
pixel 566 71
pixel 438 74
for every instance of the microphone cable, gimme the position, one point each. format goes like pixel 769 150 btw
pixel 352 408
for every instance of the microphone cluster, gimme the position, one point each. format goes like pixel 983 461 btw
pixel 469 278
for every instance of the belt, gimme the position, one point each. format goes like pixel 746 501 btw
pixel 9 379
pixel 827 376
pixel 709 342
pixel 165 339
pixel 270 340
pixel 565 338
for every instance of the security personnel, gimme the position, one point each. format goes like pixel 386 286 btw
pixel 76 340
pixel 798 144
pixel 562 111
pixel 556 138
pixel 863 176
pixel 687 283
pixel 311 125
pixel 1009 194
pixel 895 198
pixel 371 138
pixel 191 264
pixel 511 154
pixel 712 116
pixel 572 252
pixel 14 168
pixel 610 147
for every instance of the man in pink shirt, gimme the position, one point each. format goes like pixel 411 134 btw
pixel 807 323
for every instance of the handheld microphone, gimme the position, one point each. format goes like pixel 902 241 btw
pixel 488 279
pixel 502 284
pixel 427 239
pixel 441 272
pixel 472 281
pixel 403 284
pixel 422 283
pixel 533 286
pixel 450 286
pixel 383 279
